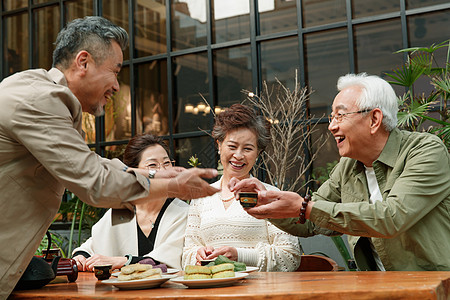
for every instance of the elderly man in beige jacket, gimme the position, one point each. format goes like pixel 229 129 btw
pixel 42 149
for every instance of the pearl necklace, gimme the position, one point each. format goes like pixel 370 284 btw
pixel 226 199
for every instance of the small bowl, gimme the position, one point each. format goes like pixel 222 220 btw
pixel 248 199
pixel 206 261
pixel 52 253
pixel 102 272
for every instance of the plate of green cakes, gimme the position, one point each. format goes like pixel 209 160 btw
pixel 212 276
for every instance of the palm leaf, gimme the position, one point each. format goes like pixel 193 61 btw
pixel 423 60
pixel 406 75
pixel 59 240
pixel 443 133
pixel 403 100
pixel 441 84
pixel 441 122
pixel 432 98
pixel 412 114
pixel 430 49
pixel 436 71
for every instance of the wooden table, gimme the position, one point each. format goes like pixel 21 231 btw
pixel 280 286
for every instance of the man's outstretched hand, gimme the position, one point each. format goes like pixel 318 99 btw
pixel 189 184
pixel 276 205
pixel 271 204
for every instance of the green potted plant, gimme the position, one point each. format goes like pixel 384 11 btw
pixel 416 107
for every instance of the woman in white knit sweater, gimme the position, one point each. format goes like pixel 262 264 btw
pixel 218 225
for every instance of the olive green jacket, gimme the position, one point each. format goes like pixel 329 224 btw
pixel 410 228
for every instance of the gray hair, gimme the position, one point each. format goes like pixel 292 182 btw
pixel 91 33
pixel 376 93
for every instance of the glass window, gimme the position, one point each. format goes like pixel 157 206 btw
pixel 190 85
pixel 277 16
pixel 326 60
pixel 78 9
pixel 150 28
pixel 280 60
pixel 231 20
pixel 40 1
pixel 202 147
pixel 364 8
pixel 152 106
pixel 423 31
pixel 115 151
pixel 117 12
pixel 46 22
pixel 319 12
pixel 410 4
pixel 188 24
pixel 16 44
pixel 88 126
pixel 232 74
pixel 14 4
pixel 375 44
pixel 118 110
pixel 426 29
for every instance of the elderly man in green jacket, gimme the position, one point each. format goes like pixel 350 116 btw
pixel 390 192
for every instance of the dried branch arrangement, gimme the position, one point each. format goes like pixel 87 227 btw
pixel 285 160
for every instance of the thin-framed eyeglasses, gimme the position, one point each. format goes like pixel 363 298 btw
pixel 339 117
pixel 152 165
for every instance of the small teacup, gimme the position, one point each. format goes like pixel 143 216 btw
pixel 248 199
pixel 52 253
pixel 206 261
pixel 102 272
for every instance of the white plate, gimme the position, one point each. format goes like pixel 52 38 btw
pixel 207 283
pixel 138 284
pixel 249 270
pixel 169 271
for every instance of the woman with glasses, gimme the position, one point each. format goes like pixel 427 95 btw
pixel 153 229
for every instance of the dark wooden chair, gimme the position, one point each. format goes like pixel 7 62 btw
pixel 312 263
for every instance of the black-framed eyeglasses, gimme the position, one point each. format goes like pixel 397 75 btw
pixel 339 117
pixel 157 166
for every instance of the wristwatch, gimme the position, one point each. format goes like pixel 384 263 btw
pixel 151 174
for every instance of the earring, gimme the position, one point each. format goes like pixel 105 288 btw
pixel 218 152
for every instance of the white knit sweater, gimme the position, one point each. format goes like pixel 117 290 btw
pixel 258 242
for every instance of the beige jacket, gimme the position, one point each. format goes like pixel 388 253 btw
pixel 115 234
pixel 42 151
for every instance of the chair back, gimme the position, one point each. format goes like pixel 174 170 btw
pixel 312 263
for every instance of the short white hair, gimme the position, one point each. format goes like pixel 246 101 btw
pixel 376 93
